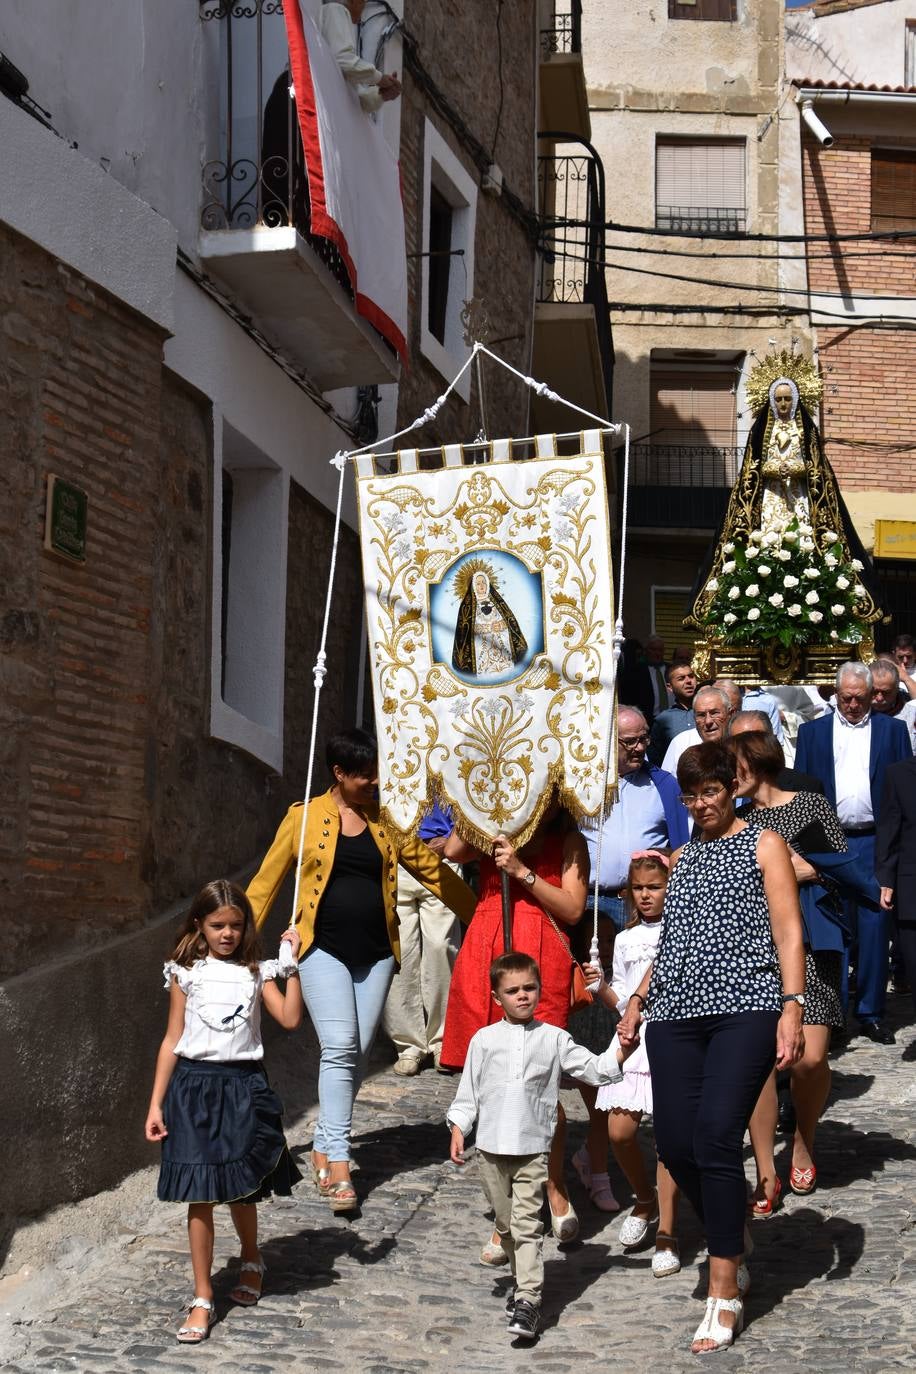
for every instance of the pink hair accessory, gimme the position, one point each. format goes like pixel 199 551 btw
pixel 650 854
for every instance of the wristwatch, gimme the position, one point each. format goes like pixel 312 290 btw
pixel 798 997
pixel 529 878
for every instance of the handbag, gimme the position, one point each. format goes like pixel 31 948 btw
pixel 579 995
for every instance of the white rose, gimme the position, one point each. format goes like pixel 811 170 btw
pixel 790 581
pixel 764 569
pixel 754 613
pixel 775 599
pixel 829 537
pixel 729 567
pixel 834 635
pixel 794 609
pixel 806 544
pixel 729 618
pixel 837 609
pixel 755 536
pixel 752 551
pixel 769 540
pixel 728 548
pixel 753 590
pixel 842 583
pixel 812 598
pixel 858 590
pixel 734 593
pixel 810 572
pixel 712 585
pixel 790 536
pixel 831 561
pixel 783 555
pixel 804 527
pixel 859 567
pixel 815 617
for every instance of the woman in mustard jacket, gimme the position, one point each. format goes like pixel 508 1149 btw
pixel 347 923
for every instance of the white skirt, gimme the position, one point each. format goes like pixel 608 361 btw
pixel 633 1094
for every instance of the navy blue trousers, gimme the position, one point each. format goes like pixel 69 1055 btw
pixel 871 932
pixel 707 1073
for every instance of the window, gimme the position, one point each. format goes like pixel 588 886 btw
pixel 703 9
pixel 700 186
pixel 669 606
pixel 247 705
pixel 447 267
pixel 693 407
pixel 893 189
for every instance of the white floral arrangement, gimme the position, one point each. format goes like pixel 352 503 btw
pixel 787 586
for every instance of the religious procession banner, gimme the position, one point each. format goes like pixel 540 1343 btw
pixel 489 603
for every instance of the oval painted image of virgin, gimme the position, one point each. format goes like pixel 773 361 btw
pixel 487 617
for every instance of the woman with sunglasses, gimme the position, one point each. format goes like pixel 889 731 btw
pixel 723 1002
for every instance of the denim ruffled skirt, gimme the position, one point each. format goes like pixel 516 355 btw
pixel 225 1139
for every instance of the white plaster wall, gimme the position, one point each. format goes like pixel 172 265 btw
pixel 857 47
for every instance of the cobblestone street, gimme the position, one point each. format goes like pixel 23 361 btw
pixel 399 1288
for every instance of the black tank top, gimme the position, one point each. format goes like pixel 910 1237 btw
pixel 351 917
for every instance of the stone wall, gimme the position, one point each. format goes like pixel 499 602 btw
pixel 494 93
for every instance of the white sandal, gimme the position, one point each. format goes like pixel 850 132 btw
pixel 711 1329
pixel 193 1335
pixel 252 1295
pixel 564 1225
pixel 634 1230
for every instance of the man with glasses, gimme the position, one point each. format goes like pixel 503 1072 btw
pixel 712 711
pixel 647 815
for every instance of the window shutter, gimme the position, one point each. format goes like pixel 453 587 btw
pixel 692 408
pixel 696 182
pixel 893 189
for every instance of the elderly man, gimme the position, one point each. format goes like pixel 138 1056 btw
pixel 683 683
pixel 890 700
pixel 850 752
pixel 712 709
pixel 648 814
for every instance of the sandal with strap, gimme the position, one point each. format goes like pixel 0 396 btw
pixel 252 1296
pixel 762 1208
pixel 803 1181
pixel 193 1335
pixel 321 1177
pixel 342 1196
pixel 711 1329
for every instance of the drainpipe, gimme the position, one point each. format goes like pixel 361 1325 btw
pixel 817 127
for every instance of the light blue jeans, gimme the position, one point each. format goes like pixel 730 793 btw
pixel 345 1006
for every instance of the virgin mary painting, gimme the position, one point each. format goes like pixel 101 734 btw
pixel 488 639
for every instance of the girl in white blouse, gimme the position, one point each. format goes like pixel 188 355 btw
pixel 627 1101
pixel 212 1107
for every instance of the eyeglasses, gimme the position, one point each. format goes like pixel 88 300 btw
pixel 709 794
pixel 632 741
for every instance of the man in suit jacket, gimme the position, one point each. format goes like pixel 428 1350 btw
pixel 850 752
pixel 895 858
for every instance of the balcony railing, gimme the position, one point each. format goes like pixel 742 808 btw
pixel 681 486
pixel 565 34
pixel 260 178
pixel 692 219
pixel 571 270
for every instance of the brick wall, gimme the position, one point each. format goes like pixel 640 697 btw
pixel 869 405
pixel 79 396
pixel 458 47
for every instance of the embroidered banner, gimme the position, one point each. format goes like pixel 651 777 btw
pixel 489 603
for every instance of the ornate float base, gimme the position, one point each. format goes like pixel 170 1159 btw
pixel 750 665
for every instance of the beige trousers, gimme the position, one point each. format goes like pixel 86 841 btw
pixel 514 1185
pixel 415 1010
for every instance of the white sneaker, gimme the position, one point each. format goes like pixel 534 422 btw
pixel 665 1262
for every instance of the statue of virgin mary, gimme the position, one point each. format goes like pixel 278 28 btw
pixel 784 477
pixel 488 638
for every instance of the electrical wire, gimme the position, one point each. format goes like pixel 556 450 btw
pixel 499 73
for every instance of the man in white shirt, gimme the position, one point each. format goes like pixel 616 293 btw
pixel 890 699
pixel 850 751
pixel 337 29
pixel 712 710
pixel 510 1087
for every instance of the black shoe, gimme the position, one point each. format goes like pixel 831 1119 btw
pixel 880 1035
pixel 786 1119
pixel 525 1320
pixel 510 1304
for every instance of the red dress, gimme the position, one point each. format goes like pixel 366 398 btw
pixel 470 1004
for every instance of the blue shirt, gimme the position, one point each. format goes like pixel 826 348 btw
pixel 637 821
pixel 436 823
pixel 757 700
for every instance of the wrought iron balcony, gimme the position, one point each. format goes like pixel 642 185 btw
pixel 693 219
pixel 565 33
pixel 256 214
pixel 571 286
pixel 681 486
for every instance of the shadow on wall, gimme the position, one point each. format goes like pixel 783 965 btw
pixel 83 1034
